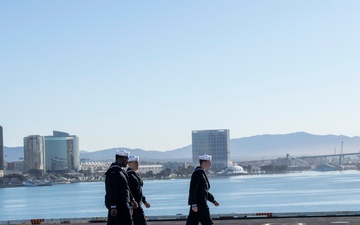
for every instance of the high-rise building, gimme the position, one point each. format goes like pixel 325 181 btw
pixel 1 149
pixel 34 153
pixel 62 152
pixel 213 142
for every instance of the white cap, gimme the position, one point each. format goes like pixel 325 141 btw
pixel 134 158
pixel 122 152
pixel 205 157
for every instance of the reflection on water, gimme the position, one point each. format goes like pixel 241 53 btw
pixel 295 192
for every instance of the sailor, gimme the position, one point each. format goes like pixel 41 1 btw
pixel 118 198
pixel 136 184
pixel 199 194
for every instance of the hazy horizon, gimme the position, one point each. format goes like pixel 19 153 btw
pixel 126 147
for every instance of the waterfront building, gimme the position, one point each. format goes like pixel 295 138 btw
pixel 101 167
pixel 62 152
pixel 155 169
pixel 34 153
pixel 213 142
pixel 1 149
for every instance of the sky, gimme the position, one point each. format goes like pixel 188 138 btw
pixel 145 74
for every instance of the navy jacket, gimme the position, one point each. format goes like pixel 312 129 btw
pixel 116 187
pixel 199 188
pixel 136 184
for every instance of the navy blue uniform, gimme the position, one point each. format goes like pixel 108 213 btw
pixel 118 195
pixel 136 184
pixel 199 195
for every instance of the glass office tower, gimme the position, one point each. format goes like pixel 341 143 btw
pixel 1 149
pixel 62 152
pixel 213 142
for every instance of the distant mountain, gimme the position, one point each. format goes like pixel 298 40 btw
pixel 248 148
pixel 295 144
pixel 181 154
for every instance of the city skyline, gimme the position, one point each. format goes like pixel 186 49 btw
pixel 56 152
pixel 145 74
pixel 179 147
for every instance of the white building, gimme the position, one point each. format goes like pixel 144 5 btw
pixel 143 169
pixel 103 166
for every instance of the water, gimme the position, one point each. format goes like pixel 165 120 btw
pixel 296 192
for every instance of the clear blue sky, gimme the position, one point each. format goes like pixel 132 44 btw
pixel 144 74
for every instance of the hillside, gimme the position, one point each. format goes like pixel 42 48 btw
pixel 296 144
pixel 246 148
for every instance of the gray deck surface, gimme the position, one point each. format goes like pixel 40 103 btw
pixel 331 220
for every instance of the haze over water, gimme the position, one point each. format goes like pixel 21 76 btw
pixel 293 192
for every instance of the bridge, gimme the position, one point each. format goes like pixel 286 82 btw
pixel 341 156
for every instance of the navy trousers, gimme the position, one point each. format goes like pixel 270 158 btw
pixel 123 216
pixel 202 216
pixel 139 216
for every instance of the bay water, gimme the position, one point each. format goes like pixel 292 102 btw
pixel 277 193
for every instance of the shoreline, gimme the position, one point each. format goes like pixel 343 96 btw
pixel 175 178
